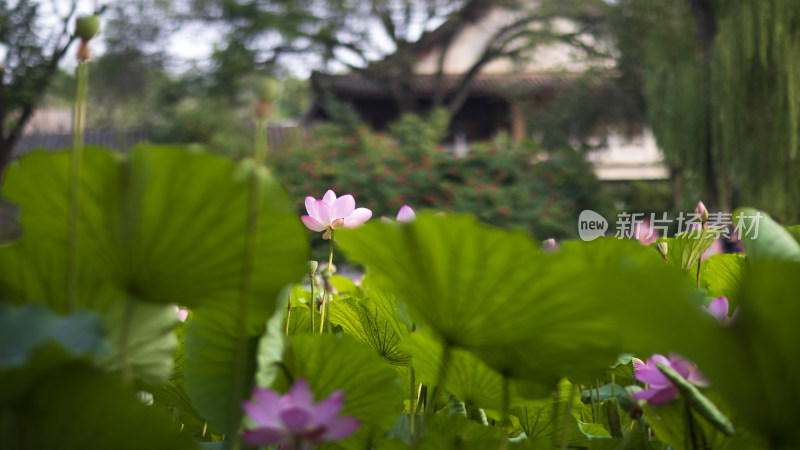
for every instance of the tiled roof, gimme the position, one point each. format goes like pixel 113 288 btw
pixel 357 85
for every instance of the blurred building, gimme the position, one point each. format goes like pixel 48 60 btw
pixel 500 93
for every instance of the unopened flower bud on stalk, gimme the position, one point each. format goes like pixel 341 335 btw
pixel 267 91
pixel 702 211
pixel 86 27
pixel 311 267
pixel 662 248
pixel 328 273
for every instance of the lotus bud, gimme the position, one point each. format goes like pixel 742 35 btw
pixel 86 27
pixel 268 89
pixel 311 267
pixel 702 211
pixel 663 249
pixel 550 245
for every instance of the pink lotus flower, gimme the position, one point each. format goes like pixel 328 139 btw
pixel 549 245
pixel 332 213
pixel 293 421
pixel 643 233
pixel 181 313
pixel 701 211
pixel 660 389
pixel 719 308
pixel 405 215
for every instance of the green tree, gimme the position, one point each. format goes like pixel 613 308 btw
pixel 380 39
pixel 30 62
pixel 721 87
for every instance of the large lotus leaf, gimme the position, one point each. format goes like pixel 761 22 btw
pixel 219 367
pixel 613 304
pixel 763 238
pixel 10 229
pixel 669 423
pixel 544 419
pixel 78 408
pixel 142 340
pixel 373 393
pixel 467 377
pixel 750 360
pixel 687 248
pixel 448 432
pixel 172 395
pixel 271 347
pixel 462 278
pixel 795 232
pixel 25 328
pixel 298 321
pixel 166 224
pixel 722 276
pixel 527 313
pixel 35 269
pixel 34 340
pixel 373 320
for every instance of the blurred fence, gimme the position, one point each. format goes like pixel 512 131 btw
pixel 121 140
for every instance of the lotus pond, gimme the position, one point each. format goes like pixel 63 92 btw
pixel 459 335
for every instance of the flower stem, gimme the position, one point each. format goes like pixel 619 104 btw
pixel 328 289
pixel 313 301
pixel 690 425
pixel 78 123
pixel 441 378
pixel 599 402
pixel 288 314
pixel 248 264
pixel 699 263
pixel 412 403
pixel 506 405
pixel 567 410
pixel 330 255
pixel 260 143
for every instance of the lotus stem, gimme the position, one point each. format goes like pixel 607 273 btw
pixel 564 431
pixel 78 124
pixel 412 403
pixel 313 301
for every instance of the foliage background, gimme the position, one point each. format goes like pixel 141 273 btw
pixel 511 185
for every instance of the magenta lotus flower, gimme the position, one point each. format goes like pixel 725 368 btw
pixel 294 421
pixel 405 215
pixel 719 308
pixel 332 213
pixel 660 389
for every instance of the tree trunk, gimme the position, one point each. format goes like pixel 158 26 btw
pixel 6 150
